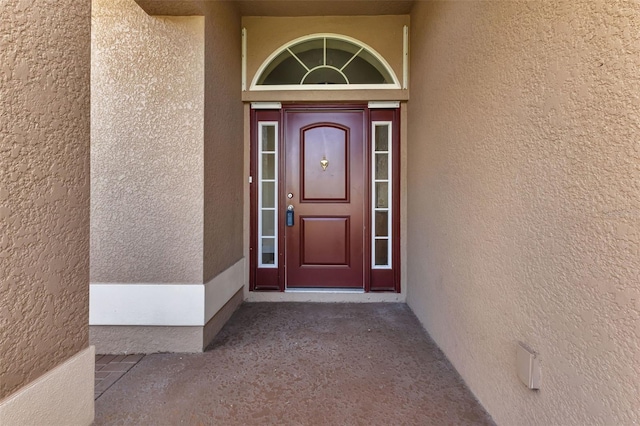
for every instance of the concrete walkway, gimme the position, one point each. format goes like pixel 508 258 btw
pixel 110 369
pixel 299 364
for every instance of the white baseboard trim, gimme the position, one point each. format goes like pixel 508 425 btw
pixel 163 304
pixel 62 396
pixel 146 304
pixel 222 288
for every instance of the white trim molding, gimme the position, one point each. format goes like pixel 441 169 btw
pixel 286 46
pixel 222 288
pixel 163 304
pixel 384 104
pixel 322 87
pixel 405 57
pixel 62 396
pixel 146 304
pixel 244 59
pixel 266 105
pixel 375 126
pixel 273 154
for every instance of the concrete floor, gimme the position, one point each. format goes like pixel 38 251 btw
pixel 299 364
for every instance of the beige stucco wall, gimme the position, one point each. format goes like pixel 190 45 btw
pixel 167 173
pixel 524 201
pixel 147 146
pixel 267 34
pixel 223 141
pixel 44 187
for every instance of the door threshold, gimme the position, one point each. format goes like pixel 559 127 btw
pixel 324 295
pixel 325 290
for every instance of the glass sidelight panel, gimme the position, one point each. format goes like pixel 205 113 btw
pixel 269 166
pixel 382 166
pixel 382 137
pixel 382 224
pixel 268 194
pixel 268 223
pixel 382 195
pixel 268 250
pixel 268 140
pixel 381 189
pixel 381 257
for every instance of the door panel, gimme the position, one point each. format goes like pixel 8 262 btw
pixel 325 241
pixel 325 246
pixel 332 183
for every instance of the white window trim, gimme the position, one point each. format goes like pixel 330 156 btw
pixel 283 87
pixel 260 180
pixel 389 181
pixel 278 51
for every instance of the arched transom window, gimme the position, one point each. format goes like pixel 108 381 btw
pixel 326 61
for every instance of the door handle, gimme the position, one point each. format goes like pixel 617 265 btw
pixel 290 218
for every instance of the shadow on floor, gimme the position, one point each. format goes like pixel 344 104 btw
pixel 300 364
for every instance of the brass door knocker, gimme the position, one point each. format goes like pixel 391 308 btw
pixel 324 163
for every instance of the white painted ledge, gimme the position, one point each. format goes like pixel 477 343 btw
pixel 163 304
pixel 62 396
pixel 222 288
pixel 146 304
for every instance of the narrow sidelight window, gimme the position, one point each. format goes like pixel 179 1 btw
pixel 381 195
pixel 267 194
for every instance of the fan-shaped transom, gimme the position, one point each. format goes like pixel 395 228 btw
pixel 329 61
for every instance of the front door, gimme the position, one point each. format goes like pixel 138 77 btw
pixel 324 183
pixel 337 169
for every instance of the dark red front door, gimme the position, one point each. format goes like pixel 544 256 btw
pixel 325 186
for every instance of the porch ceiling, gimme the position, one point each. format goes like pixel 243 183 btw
pixel 283 7
pixel 324 8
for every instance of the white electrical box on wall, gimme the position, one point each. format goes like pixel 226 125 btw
pixel 528 367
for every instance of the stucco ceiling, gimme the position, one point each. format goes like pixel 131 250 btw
pixel 319 8
pixel 284 7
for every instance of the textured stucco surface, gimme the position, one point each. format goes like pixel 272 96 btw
pixel 147 176
pixel 524 201
pixel 44 186
pixel 223 141
pixel 283 7
pixel 114 339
